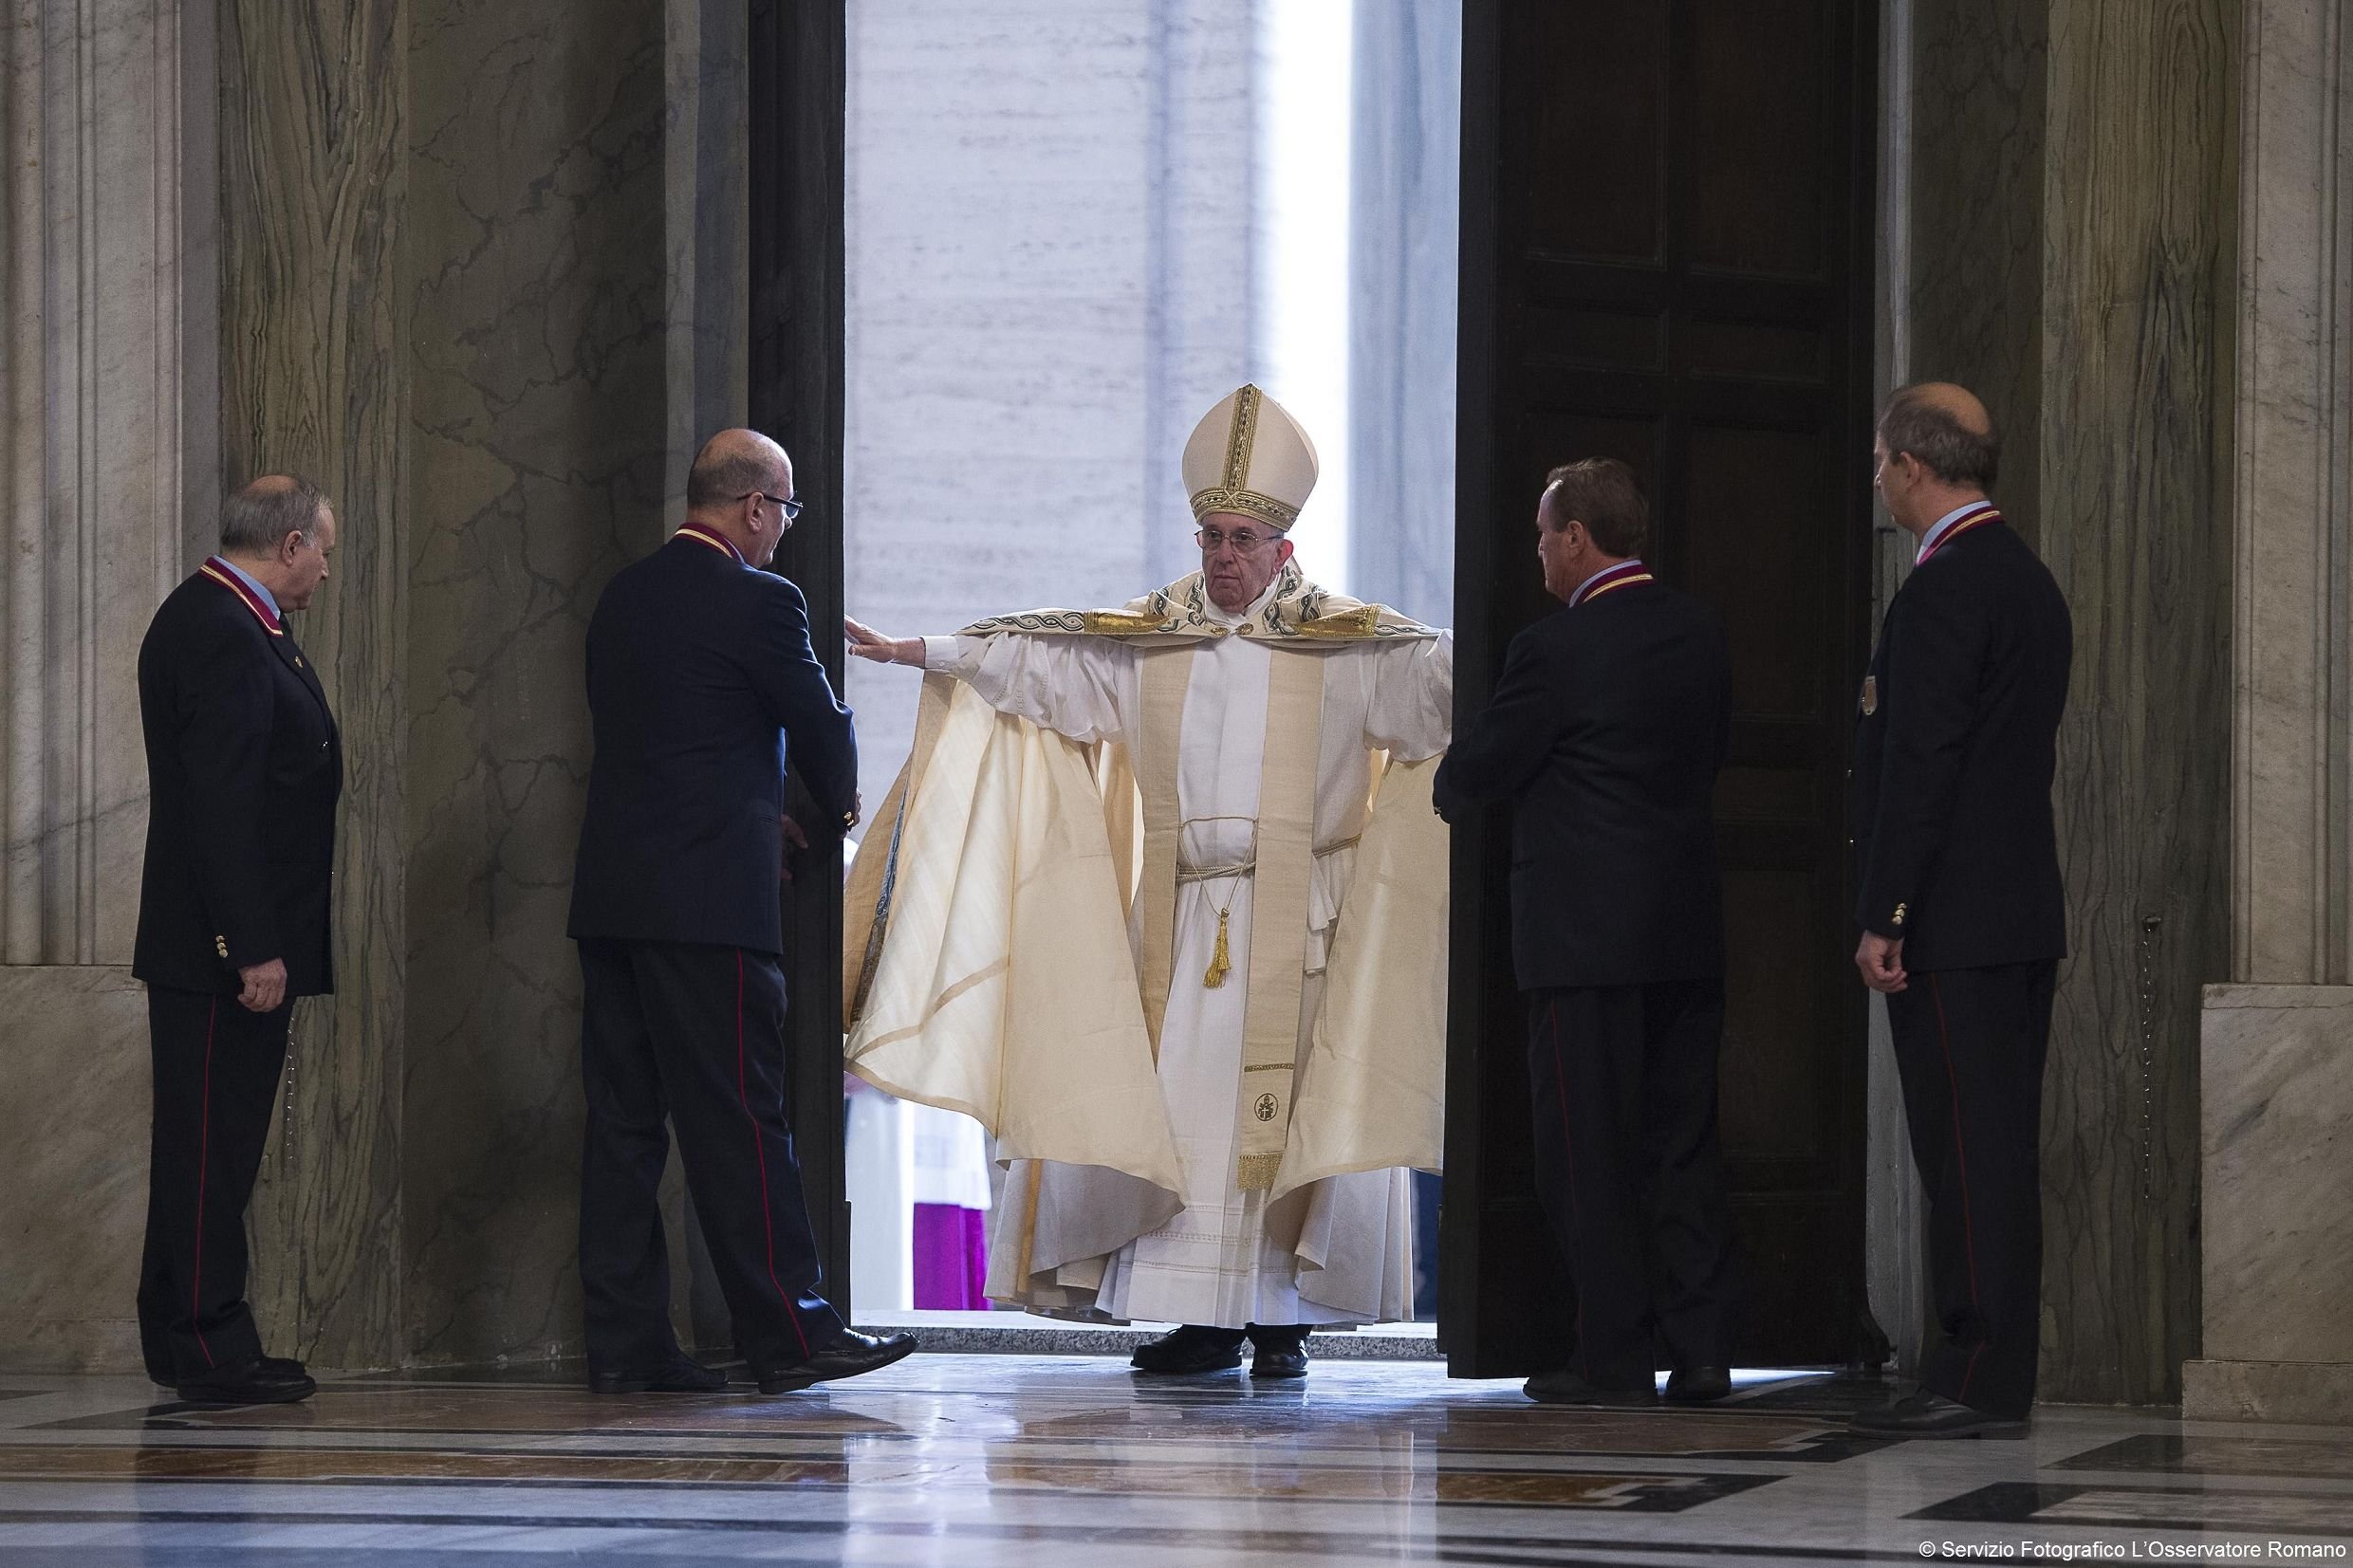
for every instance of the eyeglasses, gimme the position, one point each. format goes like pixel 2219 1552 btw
pixel 791 509
pixel 1243 540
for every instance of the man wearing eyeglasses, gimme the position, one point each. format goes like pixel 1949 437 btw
pixel 701 681
pixel 1211 1048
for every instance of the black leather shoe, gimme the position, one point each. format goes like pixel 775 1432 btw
pixel 1564 1387
pixel 1697 1384
pixel 252 1384
pixel 682 1375
pixel 1926 1414
pixel 283 1366
pixel 849 1355
pixel 1183 1352
pixel 1278 1352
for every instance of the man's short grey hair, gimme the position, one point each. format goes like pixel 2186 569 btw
pixel 1944 446
pixel 719 478
pixel 259 517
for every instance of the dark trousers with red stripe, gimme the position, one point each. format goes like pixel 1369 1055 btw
pixel 217 1070
pixel 1622 1081
pixel 696 1035
pixel 1970 1046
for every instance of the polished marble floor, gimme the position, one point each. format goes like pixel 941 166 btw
pixel 972 1459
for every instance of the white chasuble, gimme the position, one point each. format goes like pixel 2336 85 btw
pixel 1113 1242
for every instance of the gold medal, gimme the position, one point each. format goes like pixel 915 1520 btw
pixel 1870 695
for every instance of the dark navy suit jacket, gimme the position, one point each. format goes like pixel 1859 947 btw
pixel 700 674
pixel 1954 761
pixel 244 769
pixel 1605 734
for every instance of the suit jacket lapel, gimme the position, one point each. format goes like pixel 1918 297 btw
pixel 291 654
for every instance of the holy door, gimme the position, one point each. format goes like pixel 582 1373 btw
pixel 1667 245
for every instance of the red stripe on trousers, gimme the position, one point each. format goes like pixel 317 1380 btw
pixel 204 1149
pixel 767 1221
pixel 1568 1158
pixel 1960 1154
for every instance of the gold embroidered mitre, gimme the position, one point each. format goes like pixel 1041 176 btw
pixel 1249 455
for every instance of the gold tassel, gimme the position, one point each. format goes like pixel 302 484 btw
pixel 1220 964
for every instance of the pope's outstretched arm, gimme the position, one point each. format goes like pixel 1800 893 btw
pixel 1082 687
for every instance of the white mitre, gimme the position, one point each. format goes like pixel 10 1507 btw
pixel 1249 455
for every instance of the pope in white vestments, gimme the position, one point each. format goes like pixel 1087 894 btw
pixel 1159 899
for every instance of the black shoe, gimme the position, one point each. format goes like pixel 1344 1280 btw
pixel 253 1383
pixel 1926 1414
pixel 1183 1352
pixel 1697 1384
pixel 849 1355
pixel 1564 1387
pixel 1278 1352
pixel 283 1366
pixel 681 1376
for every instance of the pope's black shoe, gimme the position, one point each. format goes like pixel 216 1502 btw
pixel 1181 1351
pixel 253 1383
pixel 1564 1387
pixel 681 1376
pixel 1926 1414
pixel 1697 1384
pixel 1278 1352
pixel 847 1357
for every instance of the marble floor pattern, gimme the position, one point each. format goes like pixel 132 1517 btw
pixel 975 1460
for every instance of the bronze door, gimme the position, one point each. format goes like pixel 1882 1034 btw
pixel 1667 245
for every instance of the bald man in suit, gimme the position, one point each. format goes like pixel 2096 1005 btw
pixel 1963 913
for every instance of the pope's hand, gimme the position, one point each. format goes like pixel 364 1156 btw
pixel 867 643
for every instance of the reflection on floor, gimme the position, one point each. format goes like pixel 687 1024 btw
pixel 971 1460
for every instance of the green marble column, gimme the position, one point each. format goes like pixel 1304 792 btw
pixel 314 377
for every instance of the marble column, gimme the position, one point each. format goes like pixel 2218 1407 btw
pixel 313 378
pixel 2138 184
pixel 538 439
pixel 93 382
pixel 2278 1041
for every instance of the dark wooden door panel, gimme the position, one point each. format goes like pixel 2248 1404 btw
pixel 1667 215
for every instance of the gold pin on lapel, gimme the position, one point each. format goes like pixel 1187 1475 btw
pixel 1870 695
pixel 298 661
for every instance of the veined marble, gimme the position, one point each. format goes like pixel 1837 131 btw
pixel 538 440
pixel 98 291
pixel 980 1460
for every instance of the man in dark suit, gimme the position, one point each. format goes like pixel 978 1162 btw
pixel 1963 916
pixel 700 675
pixel 1605 734
pixel 244 768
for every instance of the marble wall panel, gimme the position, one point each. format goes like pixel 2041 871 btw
pixel 313 378
pixel 2139 250
pixel 2277 1145
pixel 538 436
pixel 73 1167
